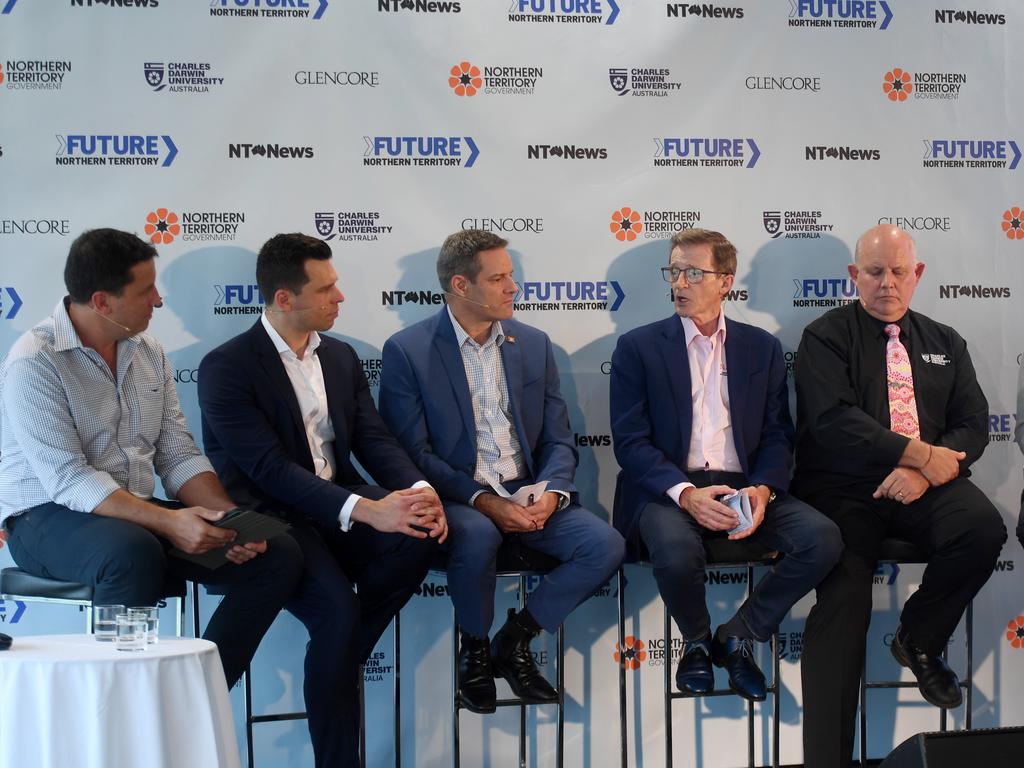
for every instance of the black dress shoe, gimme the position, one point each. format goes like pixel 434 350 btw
pixel 512 660
pixel 694 674
pixel 736 654
pixel 936 681
pixel 476 677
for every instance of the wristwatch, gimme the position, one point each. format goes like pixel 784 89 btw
pixel 563 502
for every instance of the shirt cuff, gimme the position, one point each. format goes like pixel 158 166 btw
pixel 422 484
pixel 177 476
pixel 675 490
pixel 564 497
pixel 345 516
pixel 472 499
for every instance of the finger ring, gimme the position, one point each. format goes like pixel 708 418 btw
pixel 900 494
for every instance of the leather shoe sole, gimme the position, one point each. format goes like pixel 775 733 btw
pixel 934 698
pixel 480 708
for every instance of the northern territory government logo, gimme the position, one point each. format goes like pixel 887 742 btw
pixel 1013 223
pixel 627 224
pixel 164 226
pixel 840 14
pixel 706 152
pixel 800 225
pixel 349 226
pixel 643 81
pixel 270 9
pixel 180 76
pixel 899 85
pixel 564 11
pixel 971 153
pixel 115 149
pixel 33 74
pixel 569 296
pixel 822 292
pixel 446 151
pixel 468 79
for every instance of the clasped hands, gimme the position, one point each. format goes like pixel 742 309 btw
pixel 703 505
pixel 514 518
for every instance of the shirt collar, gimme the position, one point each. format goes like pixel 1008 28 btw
pixel 691 332
pixel 879 325
pixel 497 334
pixel 282 346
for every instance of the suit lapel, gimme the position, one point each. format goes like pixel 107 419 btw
pixel 334 386
pixel 512 362
pixel 737 373
pixel 673 352
pixel 270 362
pixel 448 350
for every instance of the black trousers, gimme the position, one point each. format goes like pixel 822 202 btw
pixel 961 531
pixel 127 564
pixel 352 585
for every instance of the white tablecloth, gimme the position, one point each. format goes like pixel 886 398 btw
pixel 69 701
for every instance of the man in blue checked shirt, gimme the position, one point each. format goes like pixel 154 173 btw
pixel 88 411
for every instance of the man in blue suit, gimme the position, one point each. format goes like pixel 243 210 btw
pixel 284 410
pixel 473 396
pixel 700 409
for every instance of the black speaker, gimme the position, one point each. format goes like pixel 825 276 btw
pixel 990 747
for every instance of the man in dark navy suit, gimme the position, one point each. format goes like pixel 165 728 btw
pixel 700 409
pixel 284 410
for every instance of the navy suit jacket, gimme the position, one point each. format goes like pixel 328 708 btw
pixel 254 435
pixel 425 400
pixel 652 412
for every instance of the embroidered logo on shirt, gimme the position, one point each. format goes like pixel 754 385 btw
pixel 935 359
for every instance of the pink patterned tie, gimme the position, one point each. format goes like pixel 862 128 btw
pixel 902 405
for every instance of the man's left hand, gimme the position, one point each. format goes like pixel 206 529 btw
pixel 439 527
pixel 903 484
pixel 243 553
pixel 542 509
pixel 759 495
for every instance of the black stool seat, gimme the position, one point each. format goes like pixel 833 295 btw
pixel 899 551
pixel 513 557
pixel 15 581
pixel 723 552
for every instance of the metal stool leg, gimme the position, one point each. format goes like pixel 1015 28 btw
pixel 522 707
pixel 455 692
pixel 623 735
pixel 668 689
pixel 398 693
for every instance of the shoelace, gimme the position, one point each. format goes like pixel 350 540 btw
pixel 746 647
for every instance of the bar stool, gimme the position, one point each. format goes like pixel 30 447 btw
pixel 899 552
pixel 519 562
pixel 17 584
pixel 721 553
pixel 251 720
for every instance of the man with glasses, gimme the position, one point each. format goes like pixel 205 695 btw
pixel 700 411
pixel 473 396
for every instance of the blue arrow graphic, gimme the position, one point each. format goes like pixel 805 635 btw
pixel 16 303
pixel 1016 154
pixel 615 12
pixel 473 151
pixel 888 14
pixel 756 151
pixel 320 10
pixel 9 6
pixel 619 295
pixel 172 151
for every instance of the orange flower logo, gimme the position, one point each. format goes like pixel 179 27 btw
pixel 635 652
pixel 162 226
pixel 1 73
pixel 1015 632
pixel 465 79
pixel 626 225
pixel 1013 223
pixel 897 85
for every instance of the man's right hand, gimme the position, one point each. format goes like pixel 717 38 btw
pixel 399 511
pixel 706 510
pixel 189 529
pixel 507 515
pixel 943 465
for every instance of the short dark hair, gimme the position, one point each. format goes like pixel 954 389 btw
pixel 102 260
pixel 459 253
pixel 723 253
pixel 281 263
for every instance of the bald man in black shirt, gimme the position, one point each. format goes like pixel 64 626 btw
pixel 889 418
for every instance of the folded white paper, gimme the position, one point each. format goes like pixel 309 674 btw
pixel 739 502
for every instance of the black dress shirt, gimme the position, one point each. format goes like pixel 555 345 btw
pixel 843 435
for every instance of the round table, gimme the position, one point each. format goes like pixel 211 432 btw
pixel 69 700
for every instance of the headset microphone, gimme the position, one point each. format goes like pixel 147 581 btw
pixel 465 298
pixel 112 322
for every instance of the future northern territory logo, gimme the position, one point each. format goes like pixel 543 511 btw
pixel 431 151
pixel 270 9
pixel 578 12
pixel 115 149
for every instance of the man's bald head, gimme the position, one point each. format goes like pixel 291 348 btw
pixel 886 271
pixel 886 237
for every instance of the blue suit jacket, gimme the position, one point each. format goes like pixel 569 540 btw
pixel 425 400
pixel 652 413
pixel 254 435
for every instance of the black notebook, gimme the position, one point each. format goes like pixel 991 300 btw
pixel 250 526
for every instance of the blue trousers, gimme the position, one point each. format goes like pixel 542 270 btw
pixel 810 541
pixel 590 550
pixel 127 564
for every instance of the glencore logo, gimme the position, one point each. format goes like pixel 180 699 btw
pixel 468 79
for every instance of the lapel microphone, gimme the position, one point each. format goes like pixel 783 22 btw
pixel 464 298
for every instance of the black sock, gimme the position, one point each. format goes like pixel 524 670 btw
pixel 734 627
pixel 526 620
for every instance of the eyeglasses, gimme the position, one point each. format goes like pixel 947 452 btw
pixel 693 275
